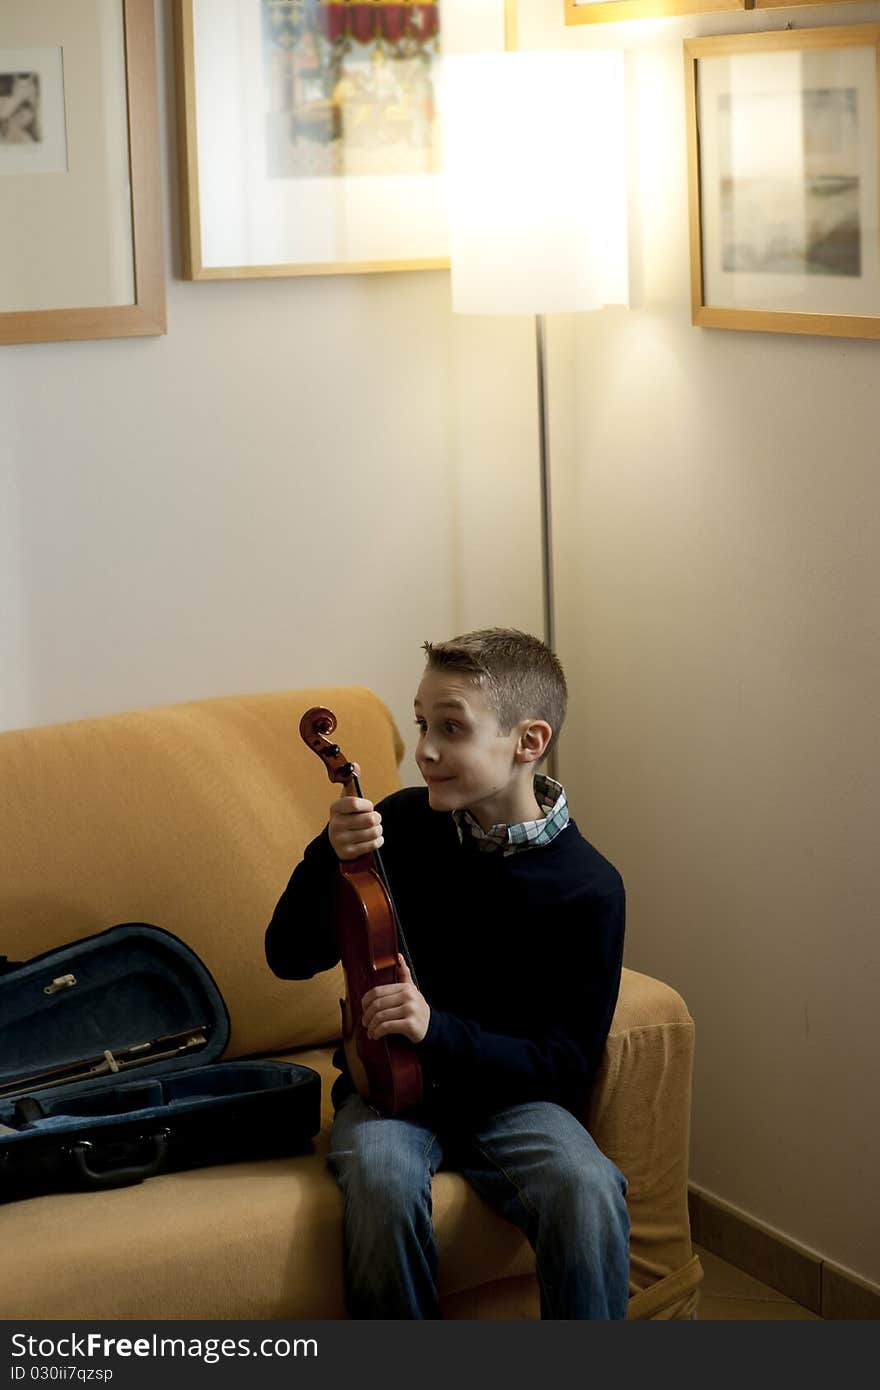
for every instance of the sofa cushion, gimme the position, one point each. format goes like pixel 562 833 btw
pixel 191 817
pixel 246 1240
pixel 263 1240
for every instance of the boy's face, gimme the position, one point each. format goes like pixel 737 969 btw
pixel 465 759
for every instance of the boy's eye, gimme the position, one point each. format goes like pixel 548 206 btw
pixel 449 726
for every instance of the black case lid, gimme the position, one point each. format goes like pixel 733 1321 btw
pixel 117 990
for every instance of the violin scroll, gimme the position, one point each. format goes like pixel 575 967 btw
pixel 314 727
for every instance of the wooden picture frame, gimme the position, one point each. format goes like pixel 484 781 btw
pixel 783 132
pixel 614 11
pixel 291 162
pixel 64 243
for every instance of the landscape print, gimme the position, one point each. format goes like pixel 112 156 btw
pixel 801 217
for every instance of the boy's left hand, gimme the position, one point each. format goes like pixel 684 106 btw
pixel 398 1008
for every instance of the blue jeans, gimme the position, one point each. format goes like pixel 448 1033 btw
pixel 534 1163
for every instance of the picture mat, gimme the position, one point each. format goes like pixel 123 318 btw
pixel 758 83
pixel 248 218
pixel 50 154
pixel 65 237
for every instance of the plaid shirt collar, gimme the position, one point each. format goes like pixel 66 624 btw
pixel 530 834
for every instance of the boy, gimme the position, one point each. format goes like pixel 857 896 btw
pixel 515 928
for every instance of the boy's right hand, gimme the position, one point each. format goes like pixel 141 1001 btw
pixel 355 828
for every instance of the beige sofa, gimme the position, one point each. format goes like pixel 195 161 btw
pixel 192 817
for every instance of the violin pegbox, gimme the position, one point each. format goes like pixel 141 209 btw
pixel 314 728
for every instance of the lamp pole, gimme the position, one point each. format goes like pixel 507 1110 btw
pixel 546 511
pixel 536 196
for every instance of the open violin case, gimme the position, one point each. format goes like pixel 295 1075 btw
pixel 109 1069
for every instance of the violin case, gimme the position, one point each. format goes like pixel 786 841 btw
pixel 109 1069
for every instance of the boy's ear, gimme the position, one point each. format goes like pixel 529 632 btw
pixel 533 739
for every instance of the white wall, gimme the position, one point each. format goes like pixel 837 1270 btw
pixel 718 594
pixel 291 487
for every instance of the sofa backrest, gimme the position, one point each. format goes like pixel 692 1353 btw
pixel 190 817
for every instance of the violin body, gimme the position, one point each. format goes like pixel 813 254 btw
pixel 385 1070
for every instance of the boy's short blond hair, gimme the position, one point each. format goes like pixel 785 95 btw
pixel 520 675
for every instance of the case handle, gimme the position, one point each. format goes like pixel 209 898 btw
pixel 121 1177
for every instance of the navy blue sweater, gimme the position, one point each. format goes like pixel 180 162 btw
pixel 518 956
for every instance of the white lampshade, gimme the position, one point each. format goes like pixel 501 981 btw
pixel 535 161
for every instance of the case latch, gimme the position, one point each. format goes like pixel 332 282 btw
pixel 62 982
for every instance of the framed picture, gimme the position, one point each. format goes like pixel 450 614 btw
pixel 309 133
pixel 783 165
pixel 611 11
pixel 81 232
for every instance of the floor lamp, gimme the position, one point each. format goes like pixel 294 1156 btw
pixel 536 179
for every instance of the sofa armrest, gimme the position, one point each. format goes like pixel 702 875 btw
pixel 639 1115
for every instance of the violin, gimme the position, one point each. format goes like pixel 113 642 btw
pixel 386 1070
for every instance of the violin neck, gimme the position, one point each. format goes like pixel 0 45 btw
pixel 353 788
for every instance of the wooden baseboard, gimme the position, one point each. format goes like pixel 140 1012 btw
pixel 800 1274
